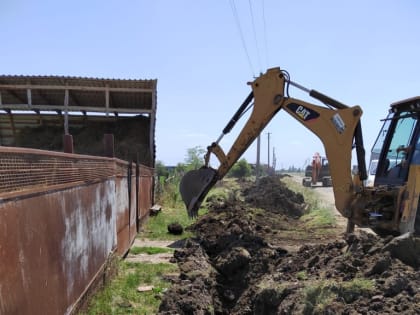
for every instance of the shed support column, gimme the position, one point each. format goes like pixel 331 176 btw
pixel 109 145
pixel 67 138
pixel 152 118
pixel 107 101
pixel 68 143
pixel 12 124
pixel 66 112
pixel 29 97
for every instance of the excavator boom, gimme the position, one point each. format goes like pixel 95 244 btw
pixel 336 124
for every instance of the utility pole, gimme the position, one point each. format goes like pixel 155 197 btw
pixel 274 159
pixel 257 167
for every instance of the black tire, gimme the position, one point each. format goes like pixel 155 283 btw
pixel 326 182
pixel 306 182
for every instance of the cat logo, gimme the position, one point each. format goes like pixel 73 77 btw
pixel 303 112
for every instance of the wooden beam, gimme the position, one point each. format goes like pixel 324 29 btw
pixel 76 108
pixel 29 97
pixel 107 101
pixel 66 112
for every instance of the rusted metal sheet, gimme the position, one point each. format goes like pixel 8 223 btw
pixel 122 209
pixel 145 191
pixel 133 206
pixel 56 237
pixel 52 245
pixel 127 209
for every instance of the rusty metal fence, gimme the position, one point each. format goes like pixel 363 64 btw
pixel 23 169
pixel 61 217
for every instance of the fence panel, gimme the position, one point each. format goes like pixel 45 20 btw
pixel 61 217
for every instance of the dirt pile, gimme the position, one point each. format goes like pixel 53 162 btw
pixel 238 264
pixel 272 194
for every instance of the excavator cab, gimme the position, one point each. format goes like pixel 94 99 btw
pixel 397 182
pixel 398 143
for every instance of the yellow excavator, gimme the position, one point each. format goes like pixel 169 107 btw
pixel 389 207
pixel 317 171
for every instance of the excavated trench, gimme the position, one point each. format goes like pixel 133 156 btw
pixel 255 257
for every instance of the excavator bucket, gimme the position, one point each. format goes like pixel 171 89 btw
pixel 194 187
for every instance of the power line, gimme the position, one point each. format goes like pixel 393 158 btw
pixel 265 35
pixel 238 25
pixel 255 34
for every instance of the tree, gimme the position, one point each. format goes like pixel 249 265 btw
pixel 240 169
pixel 161 169
pixel 195 157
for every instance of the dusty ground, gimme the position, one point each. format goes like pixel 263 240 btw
pixel 264 261
pixel 155 258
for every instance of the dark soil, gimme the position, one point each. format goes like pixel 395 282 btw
pixel 272 195
pixel 240 263
pixel 131 137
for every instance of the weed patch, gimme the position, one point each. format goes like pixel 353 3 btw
pixel 149 250
pixel 121 295
pixel 321 294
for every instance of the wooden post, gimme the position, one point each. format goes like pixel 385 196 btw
pixel 68 143
pixel 109 145
pixel 66 112
pixel 12 124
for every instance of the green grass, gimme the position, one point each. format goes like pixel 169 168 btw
pixel 121 295
pixel 156 227
pixel 322 293
pixel 175 211
pixel 302 275
pixel 319 215
pixel 135 250
pixel 319 218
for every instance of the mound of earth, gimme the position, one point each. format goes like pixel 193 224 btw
pixel 238 264
pixel 272 194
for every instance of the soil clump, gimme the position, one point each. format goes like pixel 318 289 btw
pixel 240 263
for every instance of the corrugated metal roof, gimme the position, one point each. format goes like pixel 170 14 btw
pixel 77 81
pixel 84 94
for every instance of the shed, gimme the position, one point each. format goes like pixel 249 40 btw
pixel 43 112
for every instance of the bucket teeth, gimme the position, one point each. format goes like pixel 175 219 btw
pixel 194 187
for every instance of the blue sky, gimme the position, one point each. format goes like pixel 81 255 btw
pixel 363 53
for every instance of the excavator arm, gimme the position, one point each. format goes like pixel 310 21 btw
pixel 336 125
